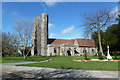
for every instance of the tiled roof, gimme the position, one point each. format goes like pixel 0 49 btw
pixel 81 42
pixel 86 42
pixel 63 41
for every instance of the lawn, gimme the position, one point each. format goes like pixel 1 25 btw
pixel 38 58
pixel 21 59
pixel 66 62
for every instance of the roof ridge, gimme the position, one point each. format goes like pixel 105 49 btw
pixel 64 39
pixel 83 38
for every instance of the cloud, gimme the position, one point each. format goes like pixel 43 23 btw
pixel 53 35
pixel 14 13
pixel 50 4
pixel 68 30
pixel 114 11
pixel 51 25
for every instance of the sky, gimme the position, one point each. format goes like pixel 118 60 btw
pixel 64 17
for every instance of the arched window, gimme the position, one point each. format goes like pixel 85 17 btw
pixel 55 51
pixel 69 53
pixel 84 51
pixel 93 50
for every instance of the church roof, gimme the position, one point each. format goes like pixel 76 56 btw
pixel 86 42
pixel 81 42
pixel 63 41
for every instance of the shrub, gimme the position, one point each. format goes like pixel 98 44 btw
pixel 105 53
pixel 96 54
pixel 115 54
pixel 85 55
pixel 100 55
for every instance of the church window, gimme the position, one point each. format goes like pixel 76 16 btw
pixel 84 51
pixel 93 50
pixel 55 51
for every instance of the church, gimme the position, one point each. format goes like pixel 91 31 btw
pixel 44 46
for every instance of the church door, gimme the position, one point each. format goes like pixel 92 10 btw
pixel 69 53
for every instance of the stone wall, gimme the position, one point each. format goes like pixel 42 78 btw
pixel 34 37
pixel 40 36
pixel 44 34
pixel 62 50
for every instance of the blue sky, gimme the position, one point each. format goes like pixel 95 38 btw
pixel 64 17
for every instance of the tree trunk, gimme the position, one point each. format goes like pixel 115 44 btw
pixel 24 57
pixel 24 54
pixel 100 45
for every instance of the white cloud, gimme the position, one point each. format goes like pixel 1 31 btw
pixel 114 11
pixel 53 35
pixel 51 25
pixel 14 13
pixel 50 4
pixel 68 30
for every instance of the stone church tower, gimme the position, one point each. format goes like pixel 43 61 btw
pixel 40 35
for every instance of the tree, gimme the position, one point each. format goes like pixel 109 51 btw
pixel 10 44
pixel 27 49
pixel 111 36
pixel 24 31
pixel 97 21
pixel 94 36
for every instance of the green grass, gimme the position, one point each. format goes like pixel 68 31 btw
pixel 66 62
pixel 21 59
pixel 38 58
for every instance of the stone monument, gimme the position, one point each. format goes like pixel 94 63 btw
pixel 108 54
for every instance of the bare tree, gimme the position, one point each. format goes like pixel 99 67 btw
pixel 24 31
pixel 96 21
pixel 10 44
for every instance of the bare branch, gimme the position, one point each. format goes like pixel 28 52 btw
pixel 96 21
pixel 24 31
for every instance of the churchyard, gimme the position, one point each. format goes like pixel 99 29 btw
pixel 66 62
pixel 52 46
